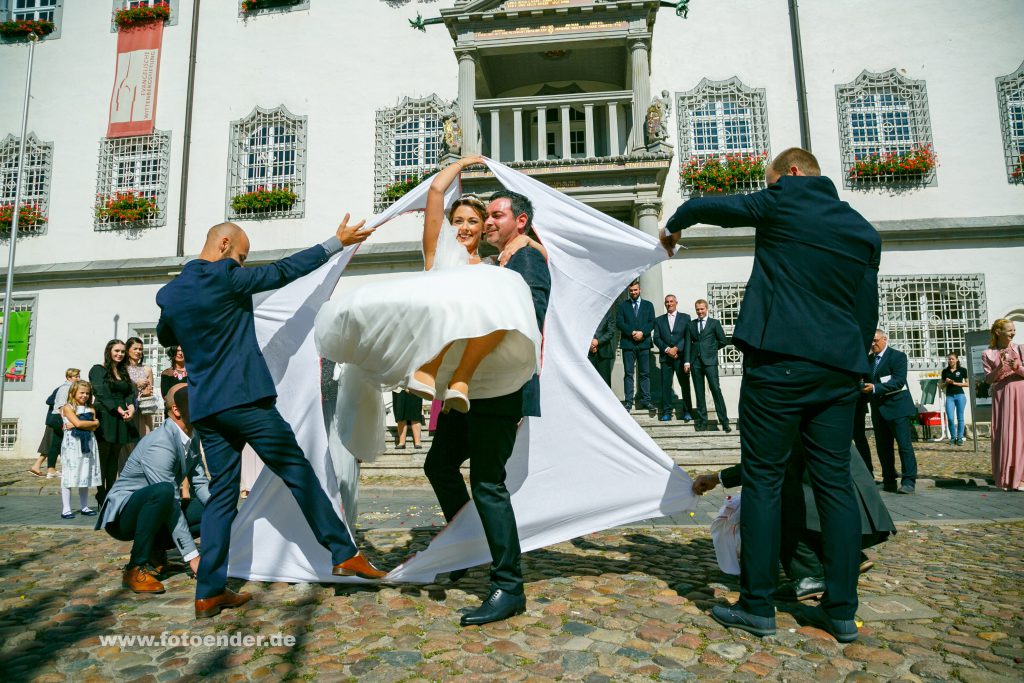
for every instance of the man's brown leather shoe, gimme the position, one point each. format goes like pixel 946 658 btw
pixel 140 580
pixel 358 565
pixel 211 607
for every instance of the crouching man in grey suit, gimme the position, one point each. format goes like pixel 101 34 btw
pixel 144 504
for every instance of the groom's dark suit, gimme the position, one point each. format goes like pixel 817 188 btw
pixel 485 436
pixel 208 311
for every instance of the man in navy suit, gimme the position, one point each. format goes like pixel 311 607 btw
pixel 635 320
pixel 707 337
pixel 602 347
pixel 673 342
pixel 208 311
pixel 891 410
pixel 807 315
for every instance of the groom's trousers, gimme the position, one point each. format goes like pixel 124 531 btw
pixel 223 435
pixel 486 440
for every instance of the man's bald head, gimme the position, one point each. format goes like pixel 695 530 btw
pixel 225 240
pixel 176 401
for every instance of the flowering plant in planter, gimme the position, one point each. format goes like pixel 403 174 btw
pixel 263 200
pixel 715 175
pixel 914 164
pixel 130 17
pixel 1018 170
pixel 250 6
pixel 399 188
pixel 29 216
pixel 125 207
pixel 22 28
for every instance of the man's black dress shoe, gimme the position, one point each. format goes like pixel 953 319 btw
pixel 499 605
pixel 733 617
pixel 627 405
pixel 726 428
pixel 906 488
pixel 889 488
pixel 646 406
pixel 843 630
pixel 807 588
pixel 700 427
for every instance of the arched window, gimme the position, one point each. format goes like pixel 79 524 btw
pixel 1010 91
pixel 267 167
pixel 408 144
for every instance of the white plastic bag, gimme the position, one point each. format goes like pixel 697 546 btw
pixel 725 534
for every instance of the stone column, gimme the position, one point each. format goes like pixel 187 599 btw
pixel 542 133
pixel 613 129
pixel 639 60
pixel 517 133
pixel 566 146
pixel 496 134
pixel 467 101
pixel 588 115
pixel 647 214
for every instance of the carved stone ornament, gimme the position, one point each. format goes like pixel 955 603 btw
pixel 657 118
pixel 451 138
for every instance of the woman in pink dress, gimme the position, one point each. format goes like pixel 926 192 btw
pixel 1003 363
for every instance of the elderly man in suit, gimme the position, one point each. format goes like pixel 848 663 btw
pixel 144 504
pixel 672 338
pixel 891 410
pixel 208 311
pixel 706 338
pixel 806 317
pixel 602 347
pixel 635 320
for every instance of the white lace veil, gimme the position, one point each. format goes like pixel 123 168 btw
pixel 449 252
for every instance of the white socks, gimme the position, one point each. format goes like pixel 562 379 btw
pixel 65 499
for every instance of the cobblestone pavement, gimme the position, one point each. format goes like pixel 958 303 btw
pixel 625 605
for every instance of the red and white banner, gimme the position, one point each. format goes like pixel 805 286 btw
pixel 133 101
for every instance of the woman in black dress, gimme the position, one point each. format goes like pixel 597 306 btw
pixel 408 411
pixel 175 374
pixel 115 408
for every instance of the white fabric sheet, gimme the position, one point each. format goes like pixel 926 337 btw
pixel 584 466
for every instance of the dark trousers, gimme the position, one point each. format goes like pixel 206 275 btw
pixel 56 437
pixel 144 520
pixel 860 438
pixel 603 366
pixel 486 441
pixel 673 367
pixel 633 359
pixel 260 425
pixel 782 400
pixel 108 468
pixel 708 373
pixel 885 432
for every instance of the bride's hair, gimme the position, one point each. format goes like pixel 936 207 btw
pixel 470 200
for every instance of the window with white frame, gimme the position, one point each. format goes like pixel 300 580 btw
pixel 8 435
pixel 723 137
pixel 885 132
pixel 130 4
pixel 927 316
pixel 1010 91
pixel 131 186
pixel 35 187
pixel 32 10
pixel 20 342
pixel 267 165
pixel 724 299
pixel 408 145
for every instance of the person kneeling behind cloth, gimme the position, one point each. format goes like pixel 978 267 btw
pixel 801 552
pixel 145 505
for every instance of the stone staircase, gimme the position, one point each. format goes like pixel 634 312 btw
pixel 692 450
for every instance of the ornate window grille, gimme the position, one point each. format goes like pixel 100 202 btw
pixel 8 435
pixel 927 316
pixel 22 378
pixel 724 299
pixel 722 118
pixel 1010 91
pixel 882 114
pixel 33 10
pixel 138 164
pixel 35 188
pixel 408 143
pixel 268 151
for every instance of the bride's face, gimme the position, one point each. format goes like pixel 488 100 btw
pixel 469 226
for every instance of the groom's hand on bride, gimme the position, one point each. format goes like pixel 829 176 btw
pixel 352 234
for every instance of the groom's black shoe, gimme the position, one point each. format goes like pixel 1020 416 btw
pixel 499 605
pixel 733 617
pixel 807 588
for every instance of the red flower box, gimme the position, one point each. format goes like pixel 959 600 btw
pixel 914 164
pixel 24 28
pixel 29 216
pixel 131 17
pixel 125 207
pixel 714 175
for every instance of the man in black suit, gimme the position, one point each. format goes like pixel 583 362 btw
pixel 706 337
pixel 891 410
pixel 602 347
pixel 635 320
pixel 487 433
pixel 673 341
pixel 803 327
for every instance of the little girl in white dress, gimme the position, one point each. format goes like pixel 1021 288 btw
pixel 79 450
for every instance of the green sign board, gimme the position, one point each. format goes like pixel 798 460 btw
pixel 17 345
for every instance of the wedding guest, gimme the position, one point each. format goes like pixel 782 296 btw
pixel 635 320
pixel 1003 363
pixel 49 447
pixel 891 411
pixel 115 409
pixel 408 417
pixel 953 381
pixel 79 449
pixel 671 336
pixel 707 338
pixel 602 347
pixel 175 374
pixel 142 377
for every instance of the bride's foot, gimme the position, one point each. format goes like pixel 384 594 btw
pixel 421 384
pixel 457 397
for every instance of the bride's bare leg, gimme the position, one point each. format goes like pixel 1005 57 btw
pixel 476 350
pixel 428 371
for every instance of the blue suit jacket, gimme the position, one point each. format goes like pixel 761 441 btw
pixel 678 337
pixel 627 322
pixel 892 397
pixel 813 291
pixel 208 311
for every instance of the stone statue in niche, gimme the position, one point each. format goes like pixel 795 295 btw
pixel 657 118
pixel 451 135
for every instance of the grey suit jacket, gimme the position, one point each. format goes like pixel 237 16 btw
pixel 160 457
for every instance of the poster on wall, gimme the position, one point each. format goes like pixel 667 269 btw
pixel 17 345
pixel 133 100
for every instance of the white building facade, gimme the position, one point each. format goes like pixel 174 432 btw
pixel 336 102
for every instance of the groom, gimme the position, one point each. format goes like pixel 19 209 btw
pixel 487 433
